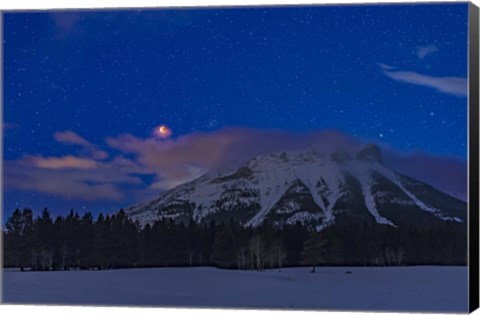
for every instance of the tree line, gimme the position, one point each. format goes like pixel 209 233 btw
pixel 114 241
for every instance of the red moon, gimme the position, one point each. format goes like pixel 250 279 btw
pixel 163 131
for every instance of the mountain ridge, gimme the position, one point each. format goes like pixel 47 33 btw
pixel 307 186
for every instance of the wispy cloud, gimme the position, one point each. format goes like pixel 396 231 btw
pixel 65 162
pixel 102 183
pixel 424 51
pixel 65 23
pixel 70 137
pixel 9 126
pixel 386 67
pixel 89 149
pixel 450 85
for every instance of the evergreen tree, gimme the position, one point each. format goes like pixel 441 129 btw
pixel 28 242
pixel 258 252
pixel 278 254
pixel 59 244
pixel 14 224
pixel 44 241
pixel 72 240
pixel 13 238
pixel 223 248
pixel 86 240
pixel 314 250
pixel 146 240
pixel 100 251
pixel 115 241
pixel 297 235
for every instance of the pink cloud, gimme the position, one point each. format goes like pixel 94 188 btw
pixel 70 137
pixel 59 183
pixel 101 183
pixel 65 162
pixel 177 160
pixel 183 159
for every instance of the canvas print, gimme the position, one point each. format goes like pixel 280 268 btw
pixel 299 157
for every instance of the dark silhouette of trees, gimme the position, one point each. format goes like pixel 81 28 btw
pixel 114 241
pixel 14 238
pixel 19 240
pixel 313 252
pixel 224 247
pixel 43 249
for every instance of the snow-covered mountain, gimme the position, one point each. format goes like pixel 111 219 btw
pixel 308 187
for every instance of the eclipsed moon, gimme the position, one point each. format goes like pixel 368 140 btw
pixel 163 131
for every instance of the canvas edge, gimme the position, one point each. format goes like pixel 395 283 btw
pixel 1 155
pixel 473 196
pixel 473 130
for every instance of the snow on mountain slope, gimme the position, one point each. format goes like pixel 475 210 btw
pixel 365 183
pixel 289 187
pixel 395 179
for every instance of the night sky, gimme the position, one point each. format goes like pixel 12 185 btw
pixel 85 93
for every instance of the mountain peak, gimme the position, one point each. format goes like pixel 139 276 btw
pixel 340 156
pixel 307 187
pixel 370 153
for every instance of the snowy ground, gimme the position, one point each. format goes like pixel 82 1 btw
pixel 440 289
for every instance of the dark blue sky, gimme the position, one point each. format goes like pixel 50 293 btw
pixel 72 80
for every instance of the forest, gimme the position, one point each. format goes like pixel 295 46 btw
pixel 75 242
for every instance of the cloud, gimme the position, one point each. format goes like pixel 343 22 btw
pixel 385 66
pixel 165 184
pixel 174 161
pixel 448 174
pixel 107 181
pixel 65 23
pixel 450 85
pixel 89 149
pixel 65 162
pixel 64 184
pixel 70 137
pixel 185 158
pixel 424 51
pixel 10 126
